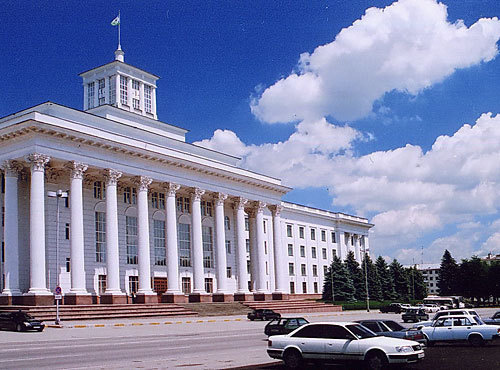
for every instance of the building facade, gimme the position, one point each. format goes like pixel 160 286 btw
pixel 110 202
pixel 430 272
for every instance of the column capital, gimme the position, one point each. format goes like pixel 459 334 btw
pixel 197 194
pixel 143 182
pixel 77 169
pixel 171 188
pixel 259 206
pixel 11 168
pixel 112 176
pixel 240 202
pixel 276 209
pixel 37 161
pixel 219 198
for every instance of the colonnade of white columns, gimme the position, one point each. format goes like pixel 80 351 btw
pixel 38 284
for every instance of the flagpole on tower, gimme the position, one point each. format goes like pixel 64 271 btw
pixel 119 52
pixel 119 21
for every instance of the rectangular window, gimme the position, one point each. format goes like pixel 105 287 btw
pixel 313 234
pixel 302 251
pixel 123 90
pixel 133 284
pixel 229 272
pixel 227 223
pixel 324 255
pixel 208 247
pixel 325 270
pixel 292 287
pixel 209 285
pixel 66 231
pixel 112 90
pixel 228 246
pixel 101 93
pixel 334 239
pixel 131 239
pixel 68 264
pixel 334 253
pixel 248 267
pixel 303 270
pixel 291 270
pixel 265 247
pixel 304 287
pixel 101 284
pixel 315 270
pixel 323 235
pixel 301 232
pixel 130 195
pixel 206 208
pixel 247 244
pixel 186 285
pixel 290 249
pixel 184 241
pixel 313 252
pixel 90 95
pixel 158 200
pixel 148 106
pixel 264 224
pixel 136 95
pixel 100 237
pixel 267 269
pixel 66 202
pixel 159 242
pixel 99 189
pixel 247 224
pixel 316 287
pixel 289 231
pixel 183 205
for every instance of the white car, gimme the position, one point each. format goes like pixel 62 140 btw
pixel 442 313
pixel 341 342
pixel 456 328
pixel 431 308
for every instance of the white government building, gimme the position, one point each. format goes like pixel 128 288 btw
pixel 147 213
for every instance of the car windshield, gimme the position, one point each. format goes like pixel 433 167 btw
pixel 22 316
pixel 478 320
pixel 394 326
pixel 360 331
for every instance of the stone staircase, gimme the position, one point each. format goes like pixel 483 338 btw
pixel 102 311
pixel 294 305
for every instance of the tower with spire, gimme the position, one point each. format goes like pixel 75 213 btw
pixel 119 85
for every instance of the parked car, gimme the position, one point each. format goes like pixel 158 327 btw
pixel 430 308
pixel 458 311
pixel 393 307
pixel 20 321
pixel 458 328
pixel 414 315
pixel 263 314
pixel 493 320
pixel 339 342
pixel 284 325
pixel 389 328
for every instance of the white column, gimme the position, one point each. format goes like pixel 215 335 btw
pixel 38 282
pixel 106 90
pixel 280 259
pixel 77 246
pixel 357 252
pixel 96 93
pixel 254 267
pixel 153 101
pixel 220 243
pixel 85 96
pixel 366 247
pixel 144 255
pixel 241 254
pixel 11 228
pixel 172 248
pixel 342 245
pixel 141 97
pixel 261 255
pixel 197 247
pixel 129 93
pixel 118 100
pixel 112 251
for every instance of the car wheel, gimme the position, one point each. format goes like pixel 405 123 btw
pixel 251 319
pixel 264 318
pixel 376 361
pixel 292 359
pixel 41 329
pixel 19 328
pixel 476 341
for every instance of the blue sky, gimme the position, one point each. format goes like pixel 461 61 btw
pixel 371 124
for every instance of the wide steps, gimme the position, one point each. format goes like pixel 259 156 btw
pixel 293 306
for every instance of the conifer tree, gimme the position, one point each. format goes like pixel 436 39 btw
pixel 356 276
pixel 343 289
pixel 448 275
pixel 401 284
pixel 386 282
pixel 374 287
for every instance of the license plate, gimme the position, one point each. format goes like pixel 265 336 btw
pixel 36 327
pixel 421 355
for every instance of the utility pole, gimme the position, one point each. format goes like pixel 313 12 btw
pixel 366 282
pixel 333 293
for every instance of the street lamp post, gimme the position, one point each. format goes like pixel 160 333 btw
pixel 57 194
pixel 366 282
pixel 333 293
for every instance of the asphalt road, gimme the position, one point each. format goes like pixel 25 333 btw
pixel 199 343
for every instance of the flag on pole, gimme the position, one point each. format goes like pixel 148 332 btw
pixel 116 21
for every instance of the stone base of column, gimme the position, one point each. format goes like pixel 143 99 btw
pixel 199 297
pixel 174 298
pixel 9 300
pixel 32 299
pixel 146 298
pixel 262 297
pixel 78 299
pixel 277 296
pixel 222 297
pixel 108 298
pixel 242 297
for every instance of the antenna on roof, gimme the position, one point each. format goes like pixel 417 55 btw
pixel 422 253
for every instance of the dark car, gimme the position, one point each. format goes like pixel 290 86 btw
pixel 263 314
pixel 389 328
pixel 393 307
pixel 414 315
pixel 284 325
pixel 20 321
pixel 493 320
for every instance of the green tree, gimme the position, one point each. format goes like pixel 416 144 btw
pixel 448 275
pixel 356 275
pixel 386 282
pixel 473 279
pixel 418 288
pixel 374 289
pixel 494 280
pixel 401 283
pixel 343 289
